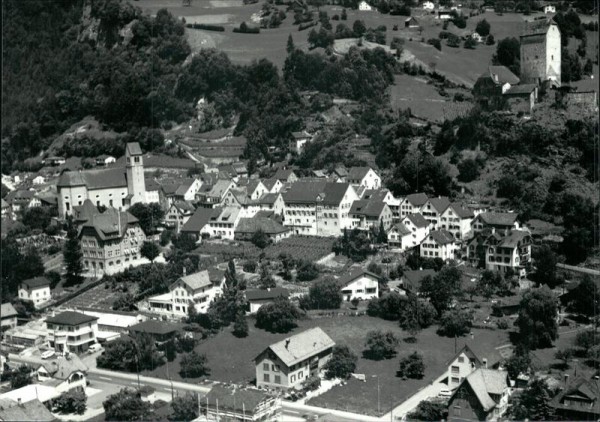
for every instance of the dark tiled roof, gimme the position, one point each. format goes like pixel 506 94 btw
pixel 442 237
pixel 375 194
pixel 357 173
pixel 414 278
pixel 108 223
pixel 33 410
pixel 152 326
pixel 199 219
pixel 33 283
pixel 367 208
pixel 184 206
pixel 302 346
pixel 401 228
pixel 417 199
pixel 350 277
pixel 270 183
pixel 418 220
pixel 514 238
pixel 502 74
pixel 308 192
pixel 151 185
pixel 133 148
pixel 268 198
pixel 266 294
pixel 440 204
pixel 499 218
pixel 70 318
pixel 283 174
pixel 94 179
pixel 521 89
pixel 460 211
pixel 7 310
pixel 252 225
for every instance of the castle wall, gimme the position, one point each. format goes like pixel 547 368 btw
pixel 533 59
pixel 553 54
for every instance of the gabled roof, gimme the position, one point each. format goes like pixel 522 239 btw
pixel 521 89
pixel 202 279
pixel 133 148
pixel 270 183
pixel 414 277
pixel 484 382
pixel 7 310
pixel 152 326
pixel 416 199
pixel 501 75
pixel 586 389
pixel 440 204
pixel 418 220
pixel 283 174
pixel 401 229
pixel 266 294
pixel 184 206
pixel 326 193
pixel 62 367
pixel 301 135
pixel 112 223
pixel 341 171
pixel 268 198
pixel 301 346
pixel 357 173
pixel 151 184
pixel 350 277
pixel 498 218
pixel 36 282
pixel 113 177
pixel 442 237
pixel 199 219
pixel 461 211
pixel 513 239
pixel 33 410
pixel 226 215
pixel 20 196
pixel 368 208
pixel 267 225
pixel 70 318
pixel 469 353
pixel 375 194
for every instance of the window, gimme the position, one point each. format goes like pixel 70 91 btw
pixel 455 380
pixel 300 375
pixel 277 379
pixel 266 378
pixel 454 369
pixel 265 366
pixel 293 378
pixel 461 359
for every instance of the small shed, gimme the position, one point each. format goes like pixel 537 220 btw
pixel 411 23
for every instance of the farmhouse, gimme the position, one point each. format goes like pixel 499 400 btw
pixel 71 331
pixel 439 244
pixel 177 189
pixel 299 140
pixel 461 365
pixel 411 23
pixel 35 290
pixel 248 227
pixel 364 6
pixel 495 222
pixel 113 187
pixel 259 297
pixel 578 400
pixel 512 250
pixel 289 362
pixel 160 331
pixel 428 5
pixel 272 185
pixel 522 98
pixel 483 395
pixel 359 284
pixel 433 209
pixel 541 52
pixel 211 195
pixel 197 224
pixel 457 220
pixel 104 160
pixel 285 175
pixel 271 202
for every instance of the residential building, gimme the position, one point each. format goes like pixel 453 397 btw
pixel 457 220
pixel 6 209
pixel 439 244
pixel 154 194
pixel 289 362
pixel 110 241
pixel 55 161
pixel 199 289
pixel 299 140
pixel 222 222
pixel 483 396
pixel 259 297
pixel 197 224
pixel 411 280
pixel 35 290
pixel 399 237
pixel 579 400
pixel 285 176
pixel 496 222
pixel 490 86
pixel 71 331
pixel 434 208
pixel 428 5
pixel 64 373
pixel 419 228
pixel 20 200
pixel 248 227
pixel 363 6
pixel 340 172
pixel 411 23
pixel 113 187
pixel 386 196
pixel 104 160
pixel 211 195
pixel 413 204
pixel 38 180
pixel 239 198
pixel 178 189
pixel 238 404
pixel 478 38
pixel 363 176
pixel 509 251
pixel 272 185
pixel 272 202
pixel 178 214
pixel 462 365
pixel 32 334
pixel 540 56
pixel 20 410
pixel 521 98
pixel 367 214
pixel 318 208
pixel 253 188
pixel 359 284
pixel 8 316
pixel 160 331
pixel 112 323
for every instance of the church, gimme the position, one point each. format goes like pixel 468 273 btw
pixel 116 187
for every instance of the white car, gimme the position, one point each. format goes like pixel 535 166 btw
pixel 95 348
pixel 444 392
pixel 48 354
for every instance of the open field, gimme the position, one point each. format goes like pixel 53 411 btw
pixel 230 359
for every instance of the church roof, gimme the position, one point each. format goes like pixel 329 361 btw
pixel 94 179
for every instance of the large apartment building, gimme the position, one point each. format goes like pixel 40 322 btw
pixel 71 331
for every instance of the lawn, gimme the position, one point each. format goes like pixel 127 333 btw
pixel 230 360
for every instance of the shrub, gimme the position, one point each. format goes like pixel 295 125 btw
pixel 245 29
pixel 312 383
pixel 341 364
pixel 455 323
pixel 435 42
pixel 381 345
pixel 206 27
pixel 412 366
pixel 502 324
pixel 306 25
pixel 250 266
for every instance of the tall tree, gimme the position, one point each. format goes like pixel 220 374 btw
pixel 537 318
pixel 185 408
pixel 325 294
pixel 126 405
pixel 148 215
pixel 342 362
pixel 290 45
pixel 278 317
pixel 72 255
pixel 150 250
pixel 533 403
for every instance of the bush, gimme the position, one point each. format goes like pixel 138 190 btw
pixel 312 383
pixel 381 345
pixel 250 266
pixel 307 271
pixel 341 364
pixel 455 323
pixel 193 365
pixel 412 366
pixel 245 29
pixel 306 25
pixel 435 42
pixel 502 324
pixel 278 317
pixel 206 27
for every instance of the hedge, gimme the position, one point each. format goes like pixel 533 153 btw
pixel 206 27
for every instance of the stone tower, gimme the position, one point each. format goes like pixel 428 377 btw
pixel 540 52
pixel 136 185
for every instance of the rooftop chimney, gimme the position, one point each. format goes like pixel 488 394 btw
pixel 184 271
pixel 484 362
pixel 287 343
pixel 19 401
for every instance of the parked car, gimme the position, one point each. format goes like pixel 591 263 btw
pixel 444 392
pixel 95 348
pixel 48 354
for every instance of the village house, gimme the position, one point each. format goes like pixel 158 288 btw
pixel 299 140
pixel 359 284
pixel 254 188
pixel 238 404
pixel 540 54
pixel 411 280
pixel 197 224
pixel 411 23
pixel 272 185
pixel 71 331
pixel 492 85
pixel 386 196
pixel 6 210
pixel 461 365
pixel 521 98
pixel 38 180
pixel 113 187
pixel 55 161
pixel 439 244
pixel 318 208
pixel 457 220
pixel 495 222
pixel 363 6
pixel 579 400
pixel 428 5
pixel 104 160
pixel 248 227
pixel 419 228
pixel 259 297
pixel 159 331
pixel 433 209
pixel 222 223
pixel 20 200
pixel 179 190
pixel 199 289
pixel 110 241
pixel 285 176
pixel 549 8
pixel 154 194
pixel 35 290
pixel 413 204
pixel 33 333
pixel 289 362
pixel 64 373
pixel 478 38
pixel 8 317
pixel 211 195
pixel 271 202
pixel 483 395
pixel 399 237
pixel 111 323
pixel 363 176
pixel 340 172
pixel 21 410
pixel 178 214
pixel 239 198
pixel 368 214
pixel 512 250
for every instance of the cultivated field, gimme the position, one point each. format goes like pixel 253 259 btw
pixel 231 359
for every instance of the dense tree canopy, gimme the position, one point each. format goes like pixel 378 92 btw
pixel 537 318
